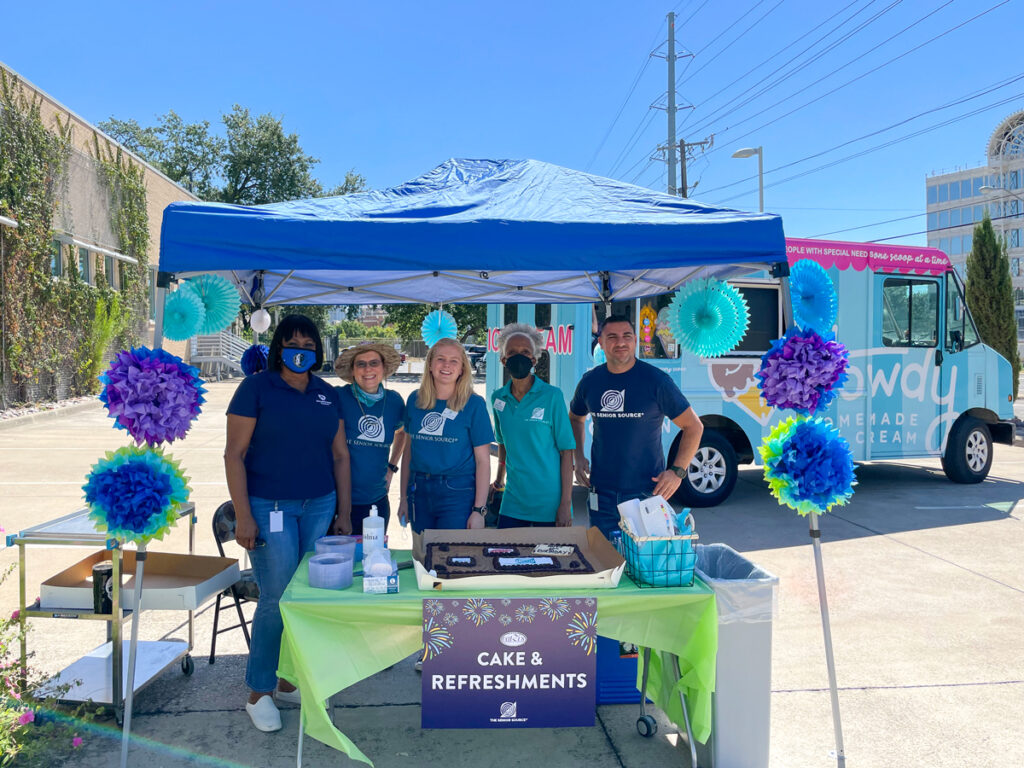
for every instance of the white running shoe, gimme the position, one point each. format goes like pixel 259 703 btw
pixel 264 714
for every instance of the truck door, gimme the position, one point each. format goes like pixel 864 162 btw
pixel 962 382
pixel 903 375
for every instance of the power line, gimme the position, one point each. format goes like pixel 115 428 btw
pixel 868 226
pixel 941 229
pixel 956 102
pixel 863 75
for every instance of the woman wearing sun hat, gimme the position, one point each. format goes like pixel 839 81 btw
pixel 373 426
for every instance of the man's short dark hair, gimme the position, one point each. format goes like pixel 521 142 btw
pixel 615 319
pixel 286 329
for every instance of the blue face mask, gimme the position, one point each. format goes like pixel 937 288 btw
pixel 298 360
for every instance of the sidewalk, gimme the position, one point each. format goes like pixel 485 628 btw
pixel 925 585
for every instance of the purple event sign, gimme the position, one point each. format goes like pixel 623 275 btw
pixel 509 663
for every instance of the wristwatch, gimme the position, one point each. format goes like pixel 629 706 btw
pixel 680 471
pixel 392 467
pixel 481 510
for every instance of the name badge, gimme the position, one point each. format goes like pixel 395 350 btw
pixel 276 521
pixel 448 413
pixel 499 405
pixel 593 501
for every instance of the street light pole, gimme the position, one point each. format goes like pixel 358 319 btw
pixel 750 152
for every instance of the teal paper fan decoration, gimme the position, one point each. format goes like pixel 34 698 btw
pixel 438 325
pixel 183 314
pixel 815 304
pixel 220 300
pixel 599 356
pixel 708 317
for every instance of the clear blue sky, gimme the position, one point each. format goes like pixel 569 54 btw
pixel 392 89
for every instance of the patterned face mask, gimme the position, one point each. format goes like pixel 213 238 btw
pixel 298 360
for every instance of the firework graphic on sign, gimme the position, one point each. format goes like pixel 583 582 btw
pixel 582 631
pixel 506 601
pixel 505 619
pixel 478 610
pixel 436 639
pixel 554 607
pixel 434 607
pixel 451 619
pixel 526 613
pixel 590 602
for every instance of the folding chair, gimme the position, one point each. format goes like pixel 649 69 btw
pixel 245 589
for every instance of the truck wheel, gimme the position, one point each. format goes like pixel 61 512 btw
pixel 968 451
pixel 711 475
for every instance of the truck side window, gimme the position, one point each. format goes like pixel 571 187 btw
pixel 654 340
pixel 910 313
pixel 765 319
pixel 960 330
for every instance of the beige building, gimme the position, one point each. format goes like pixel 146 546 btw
pixel 82 223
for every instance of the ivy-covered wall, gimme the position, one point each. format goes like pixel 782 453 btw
pixel 56 330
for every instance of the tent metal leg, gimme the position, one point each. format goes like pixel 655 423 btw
pixel 302 733
pixel 643 689
pixel 686 714
pixel 826 627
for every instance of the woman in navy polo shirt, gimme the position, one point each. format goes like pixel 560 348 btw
pixel 287 469
pixel 373 425
pixel 446 467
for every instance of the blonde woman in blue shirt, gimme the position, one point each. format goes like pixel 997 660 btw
pixel 535 439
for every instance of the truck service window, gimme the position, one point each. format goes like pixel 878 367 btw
pixel 910 313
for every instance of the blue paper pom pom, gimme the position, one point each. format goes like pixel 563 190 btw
pixel 220 301
pixel 254 359
pixel 808 466
pixel 438 325
pixel 708 317
pixel 183 314
pixel 815 304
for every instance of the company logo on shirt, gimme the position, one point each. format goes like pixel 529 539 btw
pixel 433 423
pixel 371 429
pixel 613 401
pixel 321 399
pixel 537 415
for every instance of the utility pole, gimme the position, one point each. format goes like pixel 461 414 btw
pixel 684 149
pixel 671 144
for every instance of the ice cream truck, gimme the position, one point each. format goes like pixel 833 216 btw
pixel 921 382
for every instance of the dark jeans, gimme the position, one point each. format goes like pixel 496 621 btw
pixel 441 501
pixel 505 521
pixel 606 516
pixel 362 511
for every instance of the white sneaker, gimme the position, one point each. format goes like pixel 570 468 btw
pixel 264 714
pixel 289 697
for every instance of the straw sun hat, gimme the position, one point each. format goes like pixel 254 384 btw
pixel 390 356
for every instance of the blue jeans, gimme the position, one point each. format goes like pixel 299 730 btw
pixel 441 501
pixel 274 564
pixel 606 516
pixel 505 521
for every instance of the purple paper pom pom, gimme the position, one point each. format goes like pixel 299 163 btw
pixel 254 359
pixel 152 394
pixel 803 371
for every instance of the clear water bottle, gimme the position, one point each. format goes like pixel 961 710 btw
pixel 616 539
pixel 373 532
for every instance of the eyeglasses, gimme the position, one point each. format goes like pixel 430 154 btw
pixel 368 364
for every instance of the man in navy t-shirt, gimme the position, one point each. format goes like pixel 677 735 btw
pixel 629 400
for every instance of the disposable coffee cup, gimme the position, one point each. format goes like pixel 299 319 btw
pixel 102 587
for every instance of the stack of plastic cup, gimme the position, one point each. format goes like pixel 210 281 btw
pixel 337 545
pixel 330 571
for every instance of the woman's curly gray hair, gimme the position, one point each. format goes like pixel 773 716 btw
pixel 535 337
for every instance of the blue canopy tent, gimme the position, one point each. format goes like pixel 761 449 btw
pixel 469 231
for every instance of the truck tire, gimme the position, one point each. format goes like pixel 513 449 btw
pixel 968 457
pixel 711 475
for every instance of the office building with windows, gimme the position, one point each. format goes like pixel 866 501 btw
pixel 956 203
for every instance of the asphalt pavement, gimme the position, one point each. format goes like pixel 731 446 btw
pixel 925 584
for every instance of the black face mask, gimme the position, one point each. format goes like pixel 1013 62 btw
pixel 519 366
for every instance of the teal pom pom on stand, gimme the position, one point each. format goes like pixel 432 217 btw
pixel 220 301
pixel 708 317
pixel 183 314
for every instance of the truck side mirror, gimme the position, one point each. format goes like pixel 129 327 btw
pixel 956 341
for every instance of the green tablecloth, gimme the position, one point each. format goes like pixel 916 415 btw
pixel 333 639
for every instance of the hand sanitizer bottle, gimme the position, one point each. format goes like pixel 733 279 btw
pixel 373 532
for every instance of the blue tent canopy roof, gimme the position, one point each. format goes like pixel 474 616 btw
pixel 469 231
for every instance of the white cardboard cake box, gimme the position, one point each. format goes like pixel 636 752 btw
pixel 171 581
pixel 607 562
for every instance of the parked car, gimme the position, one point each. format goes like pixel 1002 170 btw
pixel 477 357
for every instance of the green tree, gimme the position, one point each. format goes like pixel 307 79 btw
pixel 990 294
pixel 255 161
pixel 471 319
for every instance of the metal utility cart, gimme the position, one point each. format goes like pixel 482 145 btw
pixel 98 676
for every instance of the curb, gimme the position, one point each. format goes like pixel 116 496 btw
pixel 55 413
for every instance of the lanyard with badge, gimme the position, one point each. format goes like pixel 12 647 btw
pixel 276 519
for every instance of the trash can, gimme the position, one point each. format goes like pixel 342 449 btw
pixel 741 703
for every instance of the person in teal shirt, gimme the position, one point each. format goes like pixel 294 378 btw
pixel 534 435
